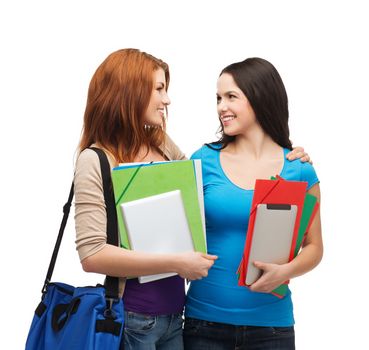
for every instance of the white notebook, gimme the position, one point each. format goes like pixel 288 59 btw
pixel 157 224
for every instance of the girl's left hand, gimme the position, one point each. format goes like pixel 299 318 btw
pixel 299 153
pixel 273 276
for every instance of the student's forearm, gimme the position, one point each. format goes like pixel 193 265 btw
pixel 312 251
pixel 310 257
pixel 119 262
pixel 115 261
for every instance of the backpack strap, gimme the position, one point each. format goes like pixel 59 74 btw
pixel 111 283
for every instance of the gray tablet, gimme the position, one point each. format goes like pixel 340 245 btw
pixel 272 237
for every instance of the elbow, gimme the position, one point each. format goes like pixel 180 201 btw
pixel 89 264
pixel 319 256
pixel 93 261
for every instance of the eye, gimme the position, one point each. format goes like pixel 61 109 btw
pixel 218 99
pixel 160 88
pixel 231 96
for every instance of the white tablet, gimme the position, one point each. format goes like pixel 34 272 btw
pixel 272 237
pixel 157 224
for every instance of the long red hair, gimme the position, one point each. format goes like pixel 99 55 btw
pixel 118 97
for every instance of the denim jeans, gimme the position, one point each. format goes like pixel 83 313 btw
pixel 144 332
pixel 204 335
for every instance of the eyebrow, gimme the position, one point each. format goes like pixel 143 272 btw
pixel 229 92
pixel 232 92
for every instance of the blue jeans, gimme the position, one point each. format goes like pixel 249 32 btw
pixel 144 332
pixel 204 335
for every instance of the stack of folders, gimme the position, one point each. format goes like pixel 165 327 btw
pixel 281 214
pixel 160 208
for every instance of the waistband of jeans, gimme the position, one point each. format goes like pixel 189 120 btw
pixel 205 323
pixel 133 313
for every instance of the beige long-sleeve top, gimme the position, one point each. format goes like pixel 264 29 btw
pixel 90 214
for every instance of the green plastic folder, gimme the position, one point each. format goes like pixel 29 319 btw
pixel 133 182
pixel 307 214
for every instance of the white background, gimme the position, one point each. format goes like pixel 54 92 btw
pixel 49 51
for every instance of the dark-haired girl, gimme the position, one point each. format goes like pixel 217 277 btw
pixel 253 113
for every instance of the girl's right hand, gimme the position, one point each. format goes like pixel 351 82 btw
pixel 194 265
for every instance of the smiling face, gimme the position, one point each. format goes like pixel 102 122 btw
pixel 234 110
pixel 159 99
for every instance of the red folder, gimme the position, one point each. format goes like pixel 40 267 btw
pixel 273 192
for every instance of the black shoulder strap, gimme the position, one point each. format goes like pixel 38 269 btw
pixel 111 283
pixel 66 209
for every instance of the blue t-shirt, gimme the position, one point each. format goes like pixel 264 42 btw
pixel 218 297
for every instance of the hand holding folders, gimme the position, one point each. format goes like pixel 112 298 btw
pixel 160 208
pixel 281 214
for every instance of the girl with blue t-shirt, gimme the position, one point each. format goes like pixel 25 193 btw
pixel 253 112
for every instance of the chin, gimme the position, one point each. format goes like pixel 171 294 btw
pixel 230 132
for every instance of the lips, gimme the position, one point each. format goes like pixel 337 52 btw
pixel 227 118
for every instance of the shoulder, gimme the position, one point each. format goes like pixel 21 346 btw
pixel 206 151
pixel 87 156
pixel 87 159
pixel 87 168
pixel 308 174
pixel 197 154
pixel 171 150
pixel 302 172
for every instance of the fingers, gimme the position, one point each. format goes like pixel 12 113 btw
pixel 207 264
pixel 254 287
pixel 298 149
pixel 306 158
pixel 260 265
pixel 295 155
pixel 303 156
pixel 197 265
pixel 258 287
pixel 299 153
pixel 209 256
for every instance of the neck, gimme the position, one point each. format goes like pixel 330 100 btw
pixel 255 144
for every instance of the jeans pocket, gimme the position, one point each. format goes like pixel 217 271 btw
pixel 138 322
pixel 284 331
pixel 179 320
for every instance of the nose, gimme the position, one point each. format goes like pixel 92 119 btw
pixel 222 106
pixel 166 99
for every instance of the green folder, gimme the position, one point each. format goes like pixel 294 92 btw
pixel 136 181
pixel 307 212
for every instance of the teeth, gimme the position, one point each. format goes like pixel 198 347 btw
pixel 228 118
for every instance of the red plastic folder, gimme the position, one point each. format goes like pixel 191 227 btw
pixel 277 191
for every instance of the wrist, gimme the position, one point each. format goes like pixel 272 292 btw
pixel 175 263
pixel 287 271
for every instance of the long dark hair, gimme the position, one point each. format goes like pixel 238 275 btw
pixel 262 85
